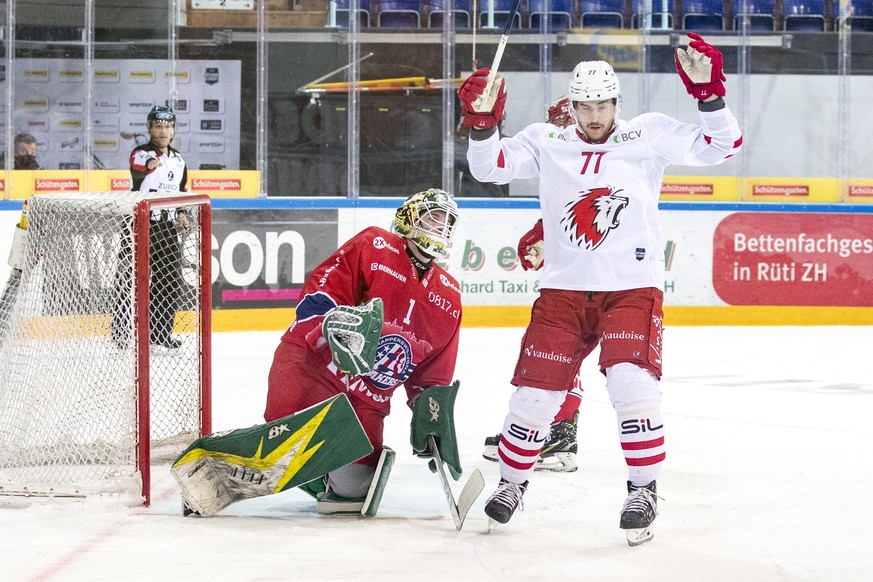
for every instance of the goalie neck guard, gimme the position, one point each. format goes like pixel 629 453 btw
pixel 428 219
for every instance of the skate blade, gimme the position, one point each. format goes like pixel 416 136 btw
pixel 558 463
pixel 492 524
pixel 639 536
pixel 490 453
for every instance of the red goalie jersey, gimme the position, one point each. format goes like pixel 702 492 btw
pixel 419 342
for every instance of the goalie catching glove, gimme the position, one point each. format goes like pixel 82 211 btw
pixel 700 67
pixel 353 333
pixel 482 99
pixel 433 414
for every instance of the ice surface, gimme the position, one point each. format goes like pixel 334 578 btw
pixel 768 477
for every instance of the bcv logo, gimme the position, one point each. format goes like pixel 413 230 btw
pixel 631 135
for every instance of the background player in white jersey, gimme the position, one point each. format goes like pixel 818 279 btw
pixel 599 184
pixel 559 451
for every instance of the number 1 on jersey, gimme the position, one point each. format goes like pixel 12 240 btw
pixel 409 313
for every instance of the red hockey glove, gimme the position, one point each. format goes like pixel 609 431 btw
pixel 700 68
pixel 482 102
pixel 530 248
pixel 559 113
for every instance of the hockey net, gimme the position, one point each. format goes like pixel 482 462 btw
pixel 104 342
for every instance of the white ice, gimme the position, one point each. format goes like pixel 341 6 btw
pixel 767 478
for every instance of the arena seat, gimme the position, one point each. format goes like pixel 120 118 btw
pixel 551 14
pixel 702 15
pixel 399 14
pixel 438 11
pixel 862 16
pixel 342 13
pixel 502 9
pixel 759 14
pixel 661 14
pixel 803 15
pixel 602 14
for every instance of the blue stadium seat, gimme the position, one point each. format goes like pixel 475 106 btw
pixel 342 13
pixel 602 14
pixel 862 17
pixel 463 9
pixel 661 14
pixel 399 13
pixel 501 13
pixel 803 15
pixel 759 14
pixel 551 14
pixel 702 15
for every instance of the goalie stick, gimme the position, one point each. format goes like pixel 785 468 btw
pixel 472 488
pixel 498 56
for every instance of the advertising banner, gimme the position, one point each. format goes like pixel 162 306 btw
pixel 260 258
pixel 794 259
pixel 50 103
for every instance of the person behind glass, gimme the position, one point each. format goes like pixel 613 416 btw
pixel 157 167
pixel 25 153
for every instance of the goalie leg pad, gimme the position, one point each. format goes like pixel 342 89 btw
pixel 219 469
pixel 377 485
pixel 331 503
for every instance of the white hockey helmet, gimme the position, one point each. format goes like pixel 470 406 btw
pixel 416 220
pixel 593 81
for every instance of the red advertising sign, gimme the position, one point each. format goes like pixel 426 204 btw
pixel 794 259
pixel 688 189
pixel 222 184
pixel 55 184
pixel 860 190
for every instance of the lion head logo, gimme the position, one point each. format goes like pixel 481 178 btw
pixel 589 218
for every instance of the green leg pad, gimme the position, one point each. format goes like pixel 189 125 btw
pixel 222 468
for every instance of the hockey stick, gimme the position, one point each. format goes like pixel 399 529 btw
pixel 498 56
pixel 472 488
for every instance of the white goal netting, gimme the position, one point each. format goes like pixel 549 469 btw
pixel 86 320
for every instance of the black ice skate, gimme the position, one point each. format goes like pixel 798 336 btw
pixel 491 444
pixel 639 511
pixel 559 452
pixel 503 502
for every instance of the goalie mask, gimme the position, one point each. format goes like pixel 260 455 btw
pixel 594 81
pixel 428 219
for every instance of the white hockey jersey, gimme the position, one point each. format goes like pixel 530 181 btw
pixel 600 201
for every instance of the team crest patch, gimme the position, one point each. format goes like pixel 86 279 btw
pixel 393 362
pixel 591 217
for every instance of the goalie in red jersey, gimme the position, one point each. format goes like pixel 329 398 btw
pixel 377 314
pixel 418 343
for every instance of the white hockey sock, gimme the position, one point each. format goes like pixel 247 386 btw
pixel 525 431
pixel 520 446
pixel 642 442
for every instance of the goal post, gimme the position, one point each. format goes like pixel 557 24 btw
pixel 105 342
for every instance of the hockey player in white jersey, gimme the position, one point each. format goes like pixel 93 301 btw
pixel 599 184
